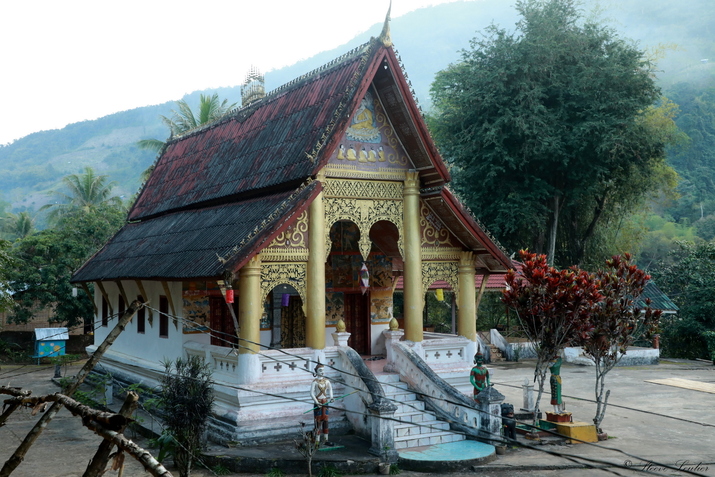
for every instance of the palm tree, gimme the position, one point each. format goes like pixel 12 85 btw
pixel 184 120
pixel 87 192
pixel 17 226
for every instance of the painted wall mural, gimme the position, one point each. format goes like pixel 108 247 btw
pixel 380 268
pixel 195 297
pixel 334 307
pixel 370 143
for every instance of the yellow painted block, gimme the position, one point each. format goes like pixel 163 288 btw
pixel 583 431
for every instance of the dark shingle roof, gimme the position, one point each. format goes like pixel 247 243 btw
pixel 221 190
pixel 271 142
pixel 188 244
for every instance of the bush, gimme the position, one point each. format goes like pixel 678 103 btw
pixel 682 338
pixel 186 403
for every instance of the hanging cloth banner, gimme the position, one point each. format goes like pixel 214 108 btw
pixel 439 293
pixel 285 299
pixel 364 279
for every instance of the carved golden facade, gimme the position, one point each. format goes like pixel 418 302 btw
pixel 364 203
pixel 447 271
pixel 293 274
pixel 434 232
pixel 291 244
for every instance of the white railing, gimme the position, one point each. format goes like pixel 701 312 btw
pixel 448 349
pixel 297 364
pixel 291 365
pixel 448 403
pixel 367 398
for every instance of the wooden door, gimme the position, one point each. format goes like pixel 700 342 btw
pixel 223 330
pixel 293 324
pixel 357 321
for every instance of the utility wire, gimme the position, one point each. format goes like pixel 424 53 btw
pixel 498 438
pixel 181 319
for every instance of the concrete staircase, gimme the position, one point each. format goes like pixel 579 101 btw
pixel 416 426
pixel 495 353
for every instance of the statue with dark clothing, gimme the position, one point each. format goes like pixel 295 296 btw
pixel 479 377
pixel 508 421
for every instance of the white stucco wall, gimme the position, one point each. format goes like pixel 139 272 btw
pixel 147 346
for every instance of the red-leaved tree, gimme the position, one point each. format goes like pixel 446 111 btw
pixel 615 322
pixel 553 307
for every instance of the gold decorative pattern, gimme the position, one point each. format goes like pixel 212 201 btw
pixel 433 230
pixel 389 133
pixel 364 213
pixel 293 274
pixel 295 235
pixel 441 253
pixel 290 245
pixel 363 189
pixel 282 255
pixel 447 271
pixel 351 171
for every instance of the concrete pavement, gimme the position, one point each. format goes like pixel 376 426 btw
pixel 649 425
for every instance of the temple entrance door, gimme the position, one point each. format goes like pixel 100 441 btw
pixel 357 321
pixel 293 323
pixel 223 331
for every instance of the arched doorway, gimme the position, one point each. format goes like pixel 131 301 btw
pixel 439 314
pixel 288 320
pixel 365 311
pixel 346 299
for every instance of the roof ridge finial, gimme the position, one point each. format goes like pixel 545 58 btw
pixel 385 34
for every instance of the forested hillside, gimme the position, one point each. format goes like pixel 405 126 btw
pixel 427 40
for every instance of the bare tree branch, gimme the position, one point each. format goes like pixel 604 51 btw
pixel 19 455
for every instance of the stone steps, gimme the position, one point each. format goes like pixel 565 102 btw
pixel 495 354
pixel 416 426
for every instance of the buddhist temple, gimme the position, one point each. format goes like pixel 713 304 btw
pixel 273 239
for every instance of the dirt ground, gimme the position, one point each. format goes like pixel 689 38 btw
pixel 685 437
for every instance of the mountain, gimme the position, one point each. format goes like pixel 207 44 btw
pixel 428 40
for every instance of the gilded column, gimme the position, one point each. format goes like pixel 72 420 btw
pixel 250 309
pixel 466 311
pixel 412 284
pixel 315 309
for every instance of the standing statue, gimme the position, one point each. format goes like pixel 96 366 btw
pixel 508 421
pixel 555 382
pixel 479 376
pixel 322 393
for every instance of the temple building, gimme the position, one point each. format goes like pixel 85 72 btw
pixel 303 208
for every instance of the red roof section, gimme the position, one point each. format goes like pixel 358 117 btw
pixel 276 141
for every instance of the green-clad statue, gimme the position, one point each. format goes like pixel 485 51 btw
pixel 555 382
pixel 479 376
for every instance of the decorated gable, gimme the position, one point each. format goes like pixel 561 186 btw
pixel 369 144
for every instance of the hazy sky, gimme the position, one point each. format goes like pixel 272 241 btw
pixel 67 61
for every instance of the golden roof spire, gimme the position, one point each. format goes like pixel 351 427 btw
pixel 385 34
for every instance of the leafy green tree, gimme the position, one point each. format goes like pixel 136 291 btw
pixel 6 265
pixel 87 192
pixel 705 227
pixel 695 159
pixel 689 280
pixel 661 241
pixel 46 260
pixel 548 127
pixel 210 109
